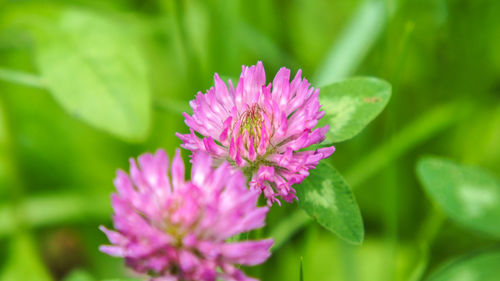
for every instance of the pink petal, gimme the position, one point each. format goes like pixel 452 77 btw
pixel 247 252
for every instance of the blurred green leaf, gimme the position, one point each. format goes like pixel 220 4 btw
pixel 468 195
pixel 23 261
pixel 58 208
pixel 94 68
pixel 326 197
pixel 79 275
pixel 53 209
pixel 477 267
pixel 351 104
pixel 8 219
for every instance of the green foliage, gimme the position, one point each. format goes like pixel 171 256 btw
pixel 301 272
pixel 93 66
pixel 482 266
pixel 287 227
pixel 328 259
pixel 351 104
pixel 79 275
pixel 418 131
pixel 468 195
pixel 440 57
pixel 55 209
pixel 21 78
pixel 24 261
pixel 326 197
pixel 359 36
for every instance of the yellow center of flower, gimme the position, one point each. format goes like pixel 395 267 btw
pixel 174 230
pixel 251 121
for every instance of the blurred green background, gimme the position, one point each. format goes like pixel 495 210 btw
pixel 57 160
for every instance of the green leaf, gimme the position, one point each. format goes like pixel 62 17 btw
pixel 326 197
pixel 478 267
pixel 24 262
pixel 351 104
pixel 468 195
pixel 94 68
pixel 416 132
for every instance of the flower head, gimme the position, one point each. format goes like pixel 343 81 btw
pixel 177 229
pixel 263 129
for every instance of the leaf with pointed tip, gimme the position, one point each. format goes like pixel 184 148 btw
pixel 326 197
pixel 93 66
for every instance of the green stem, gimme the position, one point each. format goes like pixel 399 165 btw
pixel 22 253
pixel 53 209
pixel 350 271
pixel 288 226
pixel 357 39
pixel 429 230
pixel 22 78
pixel 301 270
pixel 11 185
